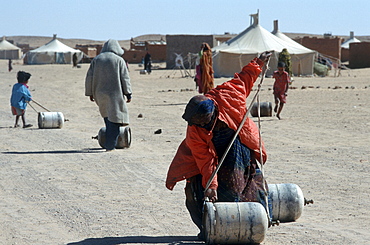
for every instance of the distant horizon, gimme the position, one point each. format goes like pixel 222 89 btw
pixel 82 38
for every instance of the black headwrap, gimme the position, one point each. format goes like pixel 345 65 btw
pixel 23 76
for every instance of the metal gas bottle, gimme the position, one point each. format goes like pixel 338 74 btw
pixel 50 120
pixel 265 109
pixel 234 222
pixel 123 141
pixel 287 201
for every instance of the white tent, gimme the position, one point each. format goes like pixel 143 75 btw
pixel 9 51
pixel 351 39
pixel 232 55
pixel 302 59
pixel 54 52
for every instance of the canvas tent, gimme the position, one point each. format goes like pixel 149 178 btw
pixel 9 51
pixel 351 39
pixel 233 54
pixel 302 58
pixel 54 52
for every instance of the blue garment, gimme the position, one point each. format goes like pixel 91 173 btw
pixel 235 172
pixel 20 96
pixel 111 134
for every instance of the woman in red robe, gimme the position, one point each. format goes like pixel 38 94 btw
pixel 213 119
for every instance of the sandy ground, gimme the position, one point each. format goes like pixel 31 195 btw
pixel 57 186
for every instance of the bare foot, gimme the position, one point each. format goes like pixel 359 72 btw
pixel 275 109
pixel 278 116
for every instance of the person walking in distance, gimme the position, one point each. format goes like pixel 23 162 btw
pixel 108 84
pixel 281 86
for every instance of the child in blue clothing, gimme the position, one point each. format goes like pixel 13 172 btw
pixel 20 97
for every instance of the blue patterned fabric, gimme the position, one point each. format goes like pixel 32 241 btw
pixel 233 176
pixel 195 107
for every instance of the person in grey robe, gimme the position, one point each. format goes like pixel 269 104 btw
pixel 108 83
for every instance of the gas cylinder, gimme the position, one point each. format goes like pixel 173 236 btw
pixel 234 222
pixel 287 201
pixel 265 109
pixel 123 141
pixel 50 120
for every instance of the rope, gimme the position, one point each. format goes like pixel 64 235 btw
pixel 39 105
pixel 238 130
pixel 259 131
pixel 42 108
pixel 33 107
pixel 259 164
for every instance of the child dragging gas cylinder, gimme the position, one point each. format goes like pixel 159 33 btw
pixel 20 97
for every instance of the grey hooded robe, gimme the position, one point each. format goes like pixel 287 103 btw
pixel 108 81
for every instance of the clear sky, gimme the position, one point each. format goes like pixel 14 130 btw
pixel 123 19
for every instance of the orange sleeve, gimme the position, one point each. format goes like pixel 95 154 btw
pixel 230 98
pixel 202 149
pixel 250 73
pixel 183 166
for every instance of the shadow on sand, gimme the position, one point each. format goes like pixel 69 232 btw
pixel 90 150
pixel 183 240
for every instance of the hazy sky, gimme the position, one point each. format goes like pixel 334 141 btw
pixel 123 19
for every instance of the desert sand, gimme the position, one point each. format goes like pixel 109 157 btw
pixel 57 186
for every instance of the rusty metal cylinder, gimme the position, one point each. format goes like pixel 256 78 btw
pixel 50 120
pixel 234 222
pixel 123 141
pixel 287 202
pixel 265 109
